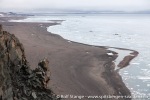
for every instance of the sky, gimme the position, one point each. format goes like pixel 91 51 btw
pixel 83 5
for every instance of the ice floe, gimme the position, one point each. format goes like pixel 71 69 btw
pixel 143 77
pixel 110 54
pixel 135 63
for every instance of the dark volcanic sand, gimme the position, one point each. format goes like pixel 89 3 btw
pixel 76 69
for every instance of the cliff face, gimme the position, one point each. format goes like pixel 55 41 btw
pixel 17 80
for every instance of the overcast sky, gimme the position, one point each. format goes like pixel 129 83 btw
pixel 117 5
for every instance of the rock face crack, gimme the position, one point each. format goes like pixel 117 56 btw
pixel 17 80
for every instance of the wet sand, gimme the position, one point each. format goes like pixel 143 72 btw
pixel 76 69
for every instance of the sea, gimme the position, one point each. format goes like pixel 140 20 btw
pixel 130 31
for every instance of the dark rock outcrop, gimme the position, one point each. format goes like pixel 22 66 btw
pixel 17 80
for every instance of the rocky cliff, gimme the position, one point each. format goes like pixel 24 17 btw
pixel 17 80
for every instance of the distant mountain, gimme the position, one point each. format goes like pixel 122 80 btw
pixel 11 14
pixel 143 12
pixel 87 12
pixel 60 12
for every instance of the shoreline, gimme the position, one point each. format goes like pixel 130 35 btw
pixel 124 62
pixel 83 52
pixel 7 18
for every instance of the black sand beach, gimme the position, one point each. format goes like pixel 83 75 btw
pixel 76 69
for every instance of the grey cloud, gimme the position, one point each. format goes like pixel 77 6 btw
pixel 125 5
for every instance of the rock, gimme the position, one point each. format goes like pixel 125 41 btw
pixel 1 28
pixel 34 95
pixel 44 64
pixel 17 80
pixel 116 34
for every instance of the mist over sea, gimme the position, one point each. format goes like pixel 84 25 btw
pixel 131 31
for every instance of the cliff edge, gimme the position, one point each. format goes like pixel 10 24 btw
pixel 17 80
